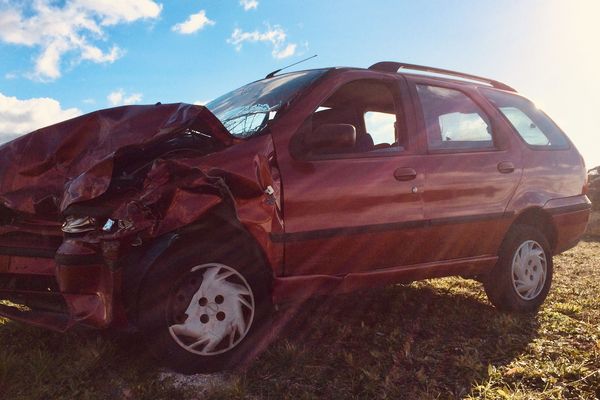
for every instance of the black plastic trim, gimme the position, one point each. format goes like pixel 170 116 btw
pixel 27 252
pixel 569 209
pixel 78 259
pixel 364 229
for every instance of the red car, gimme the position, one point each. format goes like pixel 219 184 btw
pixel 189 223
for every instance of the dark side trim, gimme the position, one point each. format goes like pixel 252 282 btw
pixel 375 228
pixel 569 209
pixel 27 252
pixel 78 259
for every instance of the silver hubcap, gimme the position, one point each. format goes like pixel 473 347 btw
pixel 529 270
pixel 219 314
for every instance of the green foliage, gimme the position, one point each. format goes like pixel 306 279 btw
pixel 437 339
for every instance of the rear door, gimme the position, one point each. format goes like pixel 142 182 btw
pixel 471 173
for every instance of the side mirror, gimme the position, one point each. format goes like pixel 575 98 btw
pixel 331 136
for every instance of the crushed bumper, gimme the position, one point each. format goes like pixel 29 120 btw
pixel 80 309
pixel 71 294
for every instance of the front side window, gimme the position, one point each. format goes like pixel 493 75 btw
pixel 359 118
pixel 247 110
pixel 381 127
pixel 536 129
pixel 453 120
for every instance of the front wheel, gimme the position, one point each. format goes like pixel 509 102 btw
pixel 200 312
pixel 521 279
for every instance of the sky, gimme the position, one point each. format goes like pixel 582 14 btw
pixel 63 58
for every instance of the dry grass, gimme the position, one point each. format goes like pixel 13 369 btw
pixel 436 339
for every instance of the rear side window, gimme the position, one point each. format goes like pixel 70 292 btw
pixel 536 129
pixel 453 120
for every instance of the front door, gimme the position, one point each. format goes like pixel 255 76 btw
pixel 359 207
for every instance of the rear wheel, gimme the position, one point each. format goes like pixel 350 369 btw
pixel 200 311
pixel 521 279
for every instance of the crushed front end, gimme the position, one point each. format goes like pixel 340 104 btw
pixel 76 197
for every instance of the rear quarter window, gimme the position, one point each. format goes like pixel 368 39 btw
pixel 532 125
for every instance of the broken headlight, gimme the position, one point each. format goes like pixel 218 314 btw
pixel 78 224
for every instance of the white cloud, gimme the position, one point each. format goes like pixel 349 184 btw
pixel 194 23
pixel 275 35
pixel 120 98
pixel 22 116
pixel 200 102
pixel 249 4
pixel 288 51
pixel 71 28
pixel 114 12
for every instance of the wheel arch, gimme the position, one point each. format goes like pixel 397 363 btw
pixel 539 219
pixel 219 224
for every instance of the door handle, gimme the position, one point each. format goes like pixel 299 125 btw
pixel 506 167
pixel 405 174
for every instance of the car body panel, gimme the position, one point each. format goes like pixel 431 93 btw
pixel 295 288
pixel 548 175
pixel 332 233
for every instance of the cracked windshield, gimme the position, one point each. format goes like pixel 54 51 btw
pixel 247 110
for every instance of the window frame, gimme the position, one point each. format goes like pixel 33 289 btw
pixel 468 92
pixel 402 101
pixel 515 132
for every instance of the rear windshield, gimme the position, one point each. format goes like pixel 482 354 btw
pixel 535 127
pixel 246 111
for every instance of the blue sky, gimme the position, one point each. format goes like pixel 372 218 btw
pixel 62 58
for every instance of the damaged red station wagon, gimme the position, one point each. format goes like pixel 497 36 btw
pixel 189 223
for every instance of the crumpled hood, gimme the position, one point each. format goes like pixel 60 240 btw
pixel 49 169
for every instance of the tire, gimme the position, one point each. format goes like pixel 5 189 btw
pixel 201 309
pixel 521 279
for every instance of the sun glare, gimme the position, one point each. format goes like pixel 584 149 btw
pixel 569 36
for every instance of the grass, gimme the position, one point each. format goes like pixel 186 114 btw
pixel 437 339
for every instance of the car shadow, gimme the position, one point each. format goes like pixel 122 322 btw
pixel 80 363
pixel 414 341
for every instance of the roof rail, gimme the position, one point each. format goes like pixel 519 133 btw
pixel 392 66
